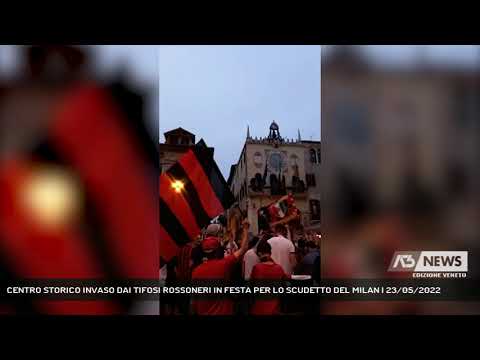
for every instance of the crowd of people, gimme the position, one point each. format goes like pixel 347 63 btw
pixel 239 259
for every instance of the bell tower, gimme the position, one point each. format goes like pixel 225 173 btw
pixel 274 134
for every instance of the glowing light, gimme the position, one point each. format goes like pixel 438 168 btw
pixel 51 196
pixel 178 186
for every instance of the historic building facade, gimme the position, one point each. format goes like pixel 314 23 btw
pixel 273 166
pixel 177 142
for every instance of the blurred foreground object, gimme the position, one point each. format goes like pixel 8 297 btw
pixel 401 170
pixel 51 196
pixel 77 180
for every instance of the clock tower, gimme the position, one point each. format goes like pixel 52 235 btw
pixel 269 168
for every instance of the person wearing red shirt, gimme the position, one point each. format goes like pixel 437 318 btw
pixel 217 267
pixel 267 269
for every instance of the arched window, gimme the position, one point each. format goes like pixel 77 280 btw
pixel 319 157
pixel 313 156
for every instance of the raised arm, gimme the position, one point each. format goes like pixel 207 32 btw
pixel 244 241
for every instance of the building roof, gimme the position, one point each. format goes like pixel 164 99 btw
pixel 178 131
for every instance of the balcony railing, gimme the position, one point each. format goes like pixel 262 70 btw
pixel 267 191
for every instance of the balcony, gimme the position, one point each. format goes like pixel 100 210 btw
pixel 267 191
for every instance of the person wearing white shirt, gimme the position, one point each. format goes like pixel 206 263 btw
pixel 283 250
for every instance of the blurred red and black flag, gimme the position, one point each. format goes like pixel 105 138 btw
pixel 282 211
pixel 192 192
pixel 79 202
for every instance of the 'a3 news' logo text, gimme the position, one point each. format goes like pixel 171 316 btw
pixel 442 264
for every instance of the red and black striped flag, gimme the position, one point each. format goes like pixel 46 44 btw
pixel 112 236
pixel 192 192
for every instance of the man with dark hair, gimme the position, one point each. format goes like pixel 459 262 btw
pixel 283 250
pixel 267 269
pixel 281 229
pixel 217 267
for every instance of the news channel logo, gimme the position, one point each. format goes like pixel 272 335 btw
pixel 431 264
